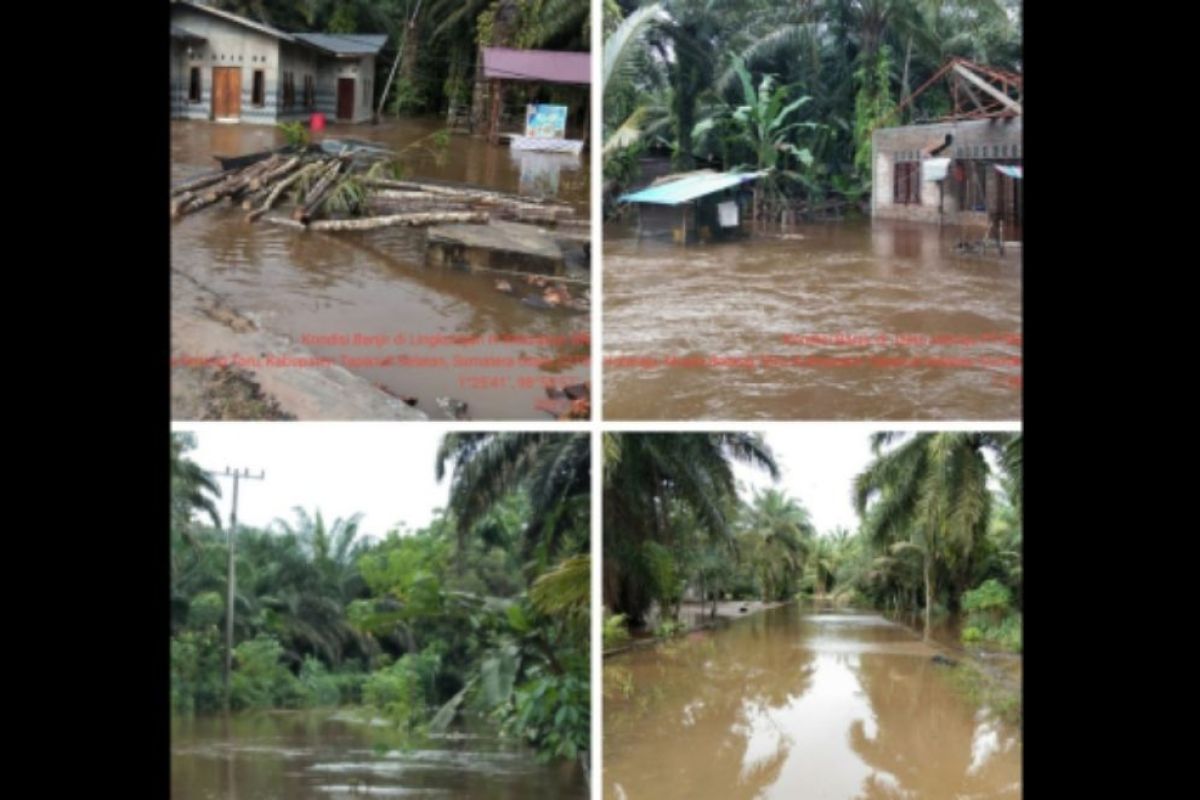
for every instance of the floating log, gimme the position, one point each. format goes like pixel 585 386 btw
pixel 278 190
pixel 185 204
pixel 419 219
pixel 285 222
pixel 479 195
pixel 200 182
pixel 316 195
pixel 260 181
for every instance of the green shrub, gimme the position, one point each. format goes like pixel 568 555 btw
pixel 404 691
pixel 295 134
pixel 260 679
pixel 552 713
pixel 989 596
pixel 668 628
pixel 206 608
pixel 320 688
pixel 614 632
pixel 196 672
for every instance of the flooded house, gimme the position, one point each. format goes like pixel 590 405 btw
pixel 962 170
pixel 229 68
pixel 694 206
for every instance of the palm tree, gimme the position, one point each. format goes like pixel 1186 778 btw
pixel 928 494
pixel 193 490
pixel 781 529
pixel 644 474
pixel 553 468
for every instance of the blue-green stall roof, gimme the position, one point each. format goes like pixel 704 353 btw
pixel 674 193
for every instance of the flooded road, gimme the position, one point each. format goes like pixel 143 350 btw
pixel 317 756
pixel 459 336
pixel 844 321
pixel 795 704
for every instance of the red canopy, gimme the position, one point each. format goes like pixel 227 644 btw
pixel 551 66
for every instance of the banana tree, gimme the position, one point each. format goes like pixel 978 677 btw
pixel 761 126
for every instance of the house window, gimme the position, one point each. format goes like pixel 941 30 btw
pixel 258 96
pixel 310 92
pixel 906 183
pixel 194 86
pixel 289 90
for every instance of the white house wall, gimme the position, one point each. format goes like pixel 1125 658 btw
pixel 227 45
pixel 231 45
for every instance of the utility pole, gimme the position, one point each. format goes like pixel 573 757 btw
pixel 232 582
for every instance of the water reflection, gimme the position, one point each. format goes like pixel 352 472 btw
pixel 794 705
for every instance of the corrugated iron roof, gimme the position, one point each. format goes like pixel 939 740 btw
pixel 672 193
pixel 551 66
pixel 345 44
pixel 185 35
pixel 1012 172
pixel 240 20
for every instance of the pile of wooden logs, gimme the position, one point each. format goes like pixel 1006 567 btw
pixel 309 180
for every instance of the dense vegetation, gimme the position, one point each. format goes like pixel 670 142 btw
pixel 939 532
pixel 795 88
pixel 441 39
pixel 483 613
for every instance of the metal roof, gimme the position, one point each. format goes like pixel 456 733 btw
pixel 345 44
pixel 240 20
pixel 679 191
pixel 551 66
pixel 1012 172
pixel 185 35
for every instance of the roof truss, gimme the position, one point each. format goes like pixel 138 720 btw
pixel 978 92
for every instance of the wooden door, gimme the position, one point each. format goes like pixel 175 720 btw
pixel 345 106
pixel 227 92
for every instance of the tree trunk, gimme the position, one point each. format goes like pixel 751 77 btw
pixel 928 597
pixel 419 219
pixel 278 190
pixel 200 182
pixel 316 196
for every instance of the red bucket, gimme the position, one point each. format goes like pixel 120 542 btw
pixel 317 122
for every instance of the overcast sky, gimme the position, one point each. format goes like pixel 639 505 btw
pixel 384 471
pixel 818 465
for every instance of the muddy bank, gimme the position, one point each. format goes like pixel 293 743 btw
pixel 225 365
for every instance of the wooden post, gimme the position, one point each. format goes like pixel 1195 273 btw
pixel 494 122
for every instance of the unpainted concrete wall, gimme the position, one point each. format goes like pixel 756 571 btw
pixel 996 140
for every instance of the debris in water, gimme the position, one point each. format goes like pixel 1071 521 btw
pixel 504 286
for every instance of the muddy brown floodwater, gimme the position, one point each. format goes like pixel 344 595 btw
pixel 798 705
pixel 319 756
pixel 374 283
pixel 879 320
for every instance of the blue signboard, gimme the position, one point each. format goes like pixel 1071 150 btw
pixel 545 122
